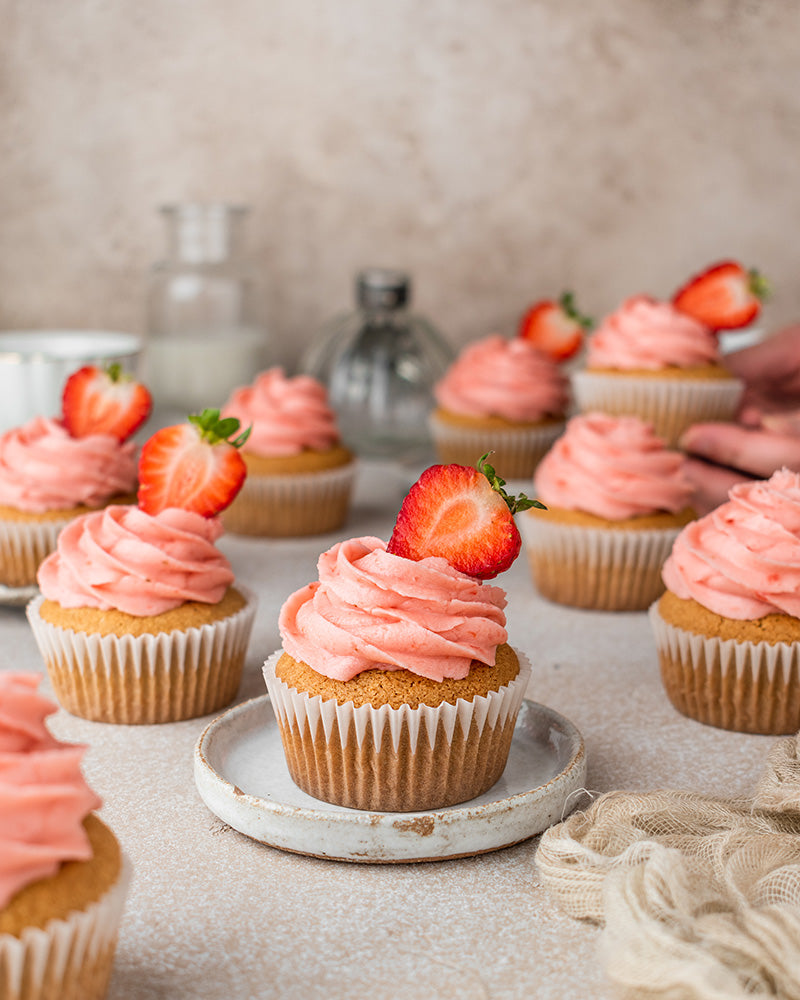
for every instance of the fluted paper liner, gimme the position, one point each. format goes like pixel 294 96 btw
pixel 515 452
pixel 669 404
pixel 69 959
pixel 292 506
pixel 750 687
pixel 23 547
pixel 605 569
pixel 396 759
pixel 164 677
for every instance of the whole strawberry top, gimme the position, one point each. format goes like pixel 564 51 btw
pixel 464 515
pixel 555 327
pixel 724 296
pixel 194 466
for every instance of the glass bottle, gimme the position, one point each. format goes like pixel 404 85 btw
pixel 203 337
pixel 379 364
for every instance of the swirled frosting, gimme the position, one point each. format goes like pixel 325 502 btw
pixel 142 564
pixel 374 610
pixel 43 795
pixel 503 378
pixel 287 415
pixel 742 560
pixel 647 334
pixel 613 467
pixel 42 467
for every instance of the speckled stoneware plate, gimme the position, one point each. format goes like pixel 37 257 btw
pixel 17 597
pixel 242 776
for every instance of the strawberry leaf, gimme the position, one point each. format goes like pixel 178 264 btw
pixel 215 429
pixel 515 503
pixel 567 303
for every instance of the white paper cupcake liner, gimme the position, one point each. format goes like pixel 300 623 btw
pixel 396 759
pixel 311 503
pixel 23 547
pixel 606 569
pixel 749 687
pixel 516 451
pixel 669 404
pixel 71 958
pixel 144 679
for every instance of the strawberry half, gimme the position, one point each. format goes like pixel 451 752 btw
pixel 194 466
pixel 725 296
pixel 556 328
pixel 462 514
pixel 104 401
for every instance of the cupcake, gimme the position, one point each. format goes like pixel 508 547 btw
pixel 653 361
pixel 52 471
pixel 299 474
pixel 396 689
pixel 616 499
pixel 728 626
pixel 63 877
pixel 499 395
pixel 139 620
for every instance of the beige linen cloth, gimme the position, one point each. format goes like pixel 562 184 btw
pixel 699 896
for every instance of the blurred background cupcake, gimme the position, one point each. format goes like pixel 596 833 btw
pixel 63 877
pixel 499 395
pixel 299 474
pixel 616 499
pixel 728 627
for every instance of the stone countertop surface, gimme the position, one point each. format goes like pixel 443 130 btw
pixel 212 914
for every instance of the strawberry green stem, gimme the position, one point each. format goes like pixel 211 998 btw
pixel 515 503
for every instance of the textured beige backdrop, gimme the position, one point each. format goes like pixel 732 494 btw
pixel 500 149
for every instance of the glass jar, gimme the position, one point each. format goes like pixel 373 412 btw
pixel 379 364
pixel 203 336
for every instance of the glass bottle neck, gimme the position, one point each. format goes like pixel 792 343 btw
pixel 204 233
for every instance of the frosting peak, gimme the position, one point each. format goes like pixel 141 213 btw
pixel 742 560
pixel 503 378
pixel 143 564
pixel 371 609
pixel 43 795
pixel 287 415
pixel 614 468
pixel 647 334
pixel 42 467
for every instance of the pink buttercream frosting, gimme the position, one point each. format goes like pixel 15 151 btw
pixel 42 467
pixel 287 415
pixel 742 560
pixel 503 378
pixel 371 609
pixel 647 334
pixel 43 795
pixel 612 467
pixel 139 563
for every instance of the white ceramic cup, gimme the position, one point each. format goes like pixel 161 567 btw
pixel 35 364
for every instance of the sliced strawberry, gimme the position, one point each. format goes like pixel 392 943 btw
pixel 194 466
pixel 556 328
pixel 725 296
pixel 104 401
pixel 462 514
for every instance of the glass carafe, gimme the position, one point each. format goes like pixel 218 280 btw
pixel 380 363
pixel 203 335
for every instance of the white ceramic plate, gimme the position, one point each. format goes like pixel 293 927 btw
pixel 17 597
pixel 242 777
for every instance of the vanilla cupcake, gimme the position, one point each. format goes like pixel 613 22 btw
pixel 650 360
pixel 63 877
pixel 728 627
pixel 299 474
pixel 503 396
pixel 616 499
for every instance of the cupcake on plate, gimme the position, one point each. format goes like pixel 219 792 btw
pixel 54 470
pixel 299 474
pixel 396 689
pixel 728 626
pixel 63 877
pixel 139 620
pixel 651 360
pixel 616 499
pixel 499 395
